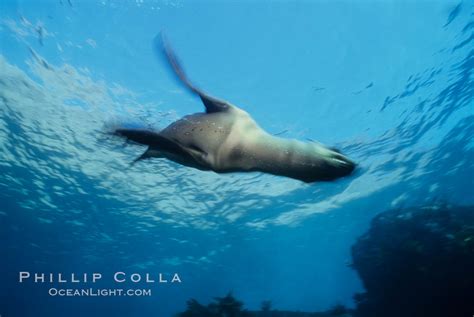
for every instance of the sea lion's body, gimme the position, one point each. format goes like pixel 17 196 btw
pixel 226 139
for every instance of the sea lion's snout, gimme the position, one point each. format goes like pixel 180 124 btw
pixel 346 165
pixel 341 165
pixel 327 165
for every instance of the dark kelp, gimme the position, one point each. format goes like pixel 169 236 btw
pixel 229 306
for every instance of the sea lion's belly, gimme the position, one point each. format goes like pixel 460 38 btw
pixel 222 141
pixel 201 133
pixel 236 153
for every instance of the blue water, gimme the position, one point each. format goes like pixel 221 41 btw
pixel 389 83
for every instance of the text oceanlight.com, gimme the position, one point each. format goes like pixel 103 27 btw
pixel 104 292
pixel 92 284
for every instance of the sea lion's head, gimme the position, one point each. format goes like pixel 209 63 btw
pixel 337 164
pixel 325 164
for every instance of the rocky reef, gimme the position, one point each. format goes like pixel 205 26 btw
pixel 413 262
pixel 417 262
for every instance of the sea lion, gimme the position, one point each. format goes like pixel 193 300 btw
pixel 226 139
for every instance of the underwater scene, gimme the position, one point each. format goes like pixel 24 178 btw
pixel 236 158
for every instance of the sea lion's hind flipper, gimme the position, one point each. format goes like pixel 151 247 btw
pixel 144 156
pixel 156 143
pixel 212 104
pixel 141 136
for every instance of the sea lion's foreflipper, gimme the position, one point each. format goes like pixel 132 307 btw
pixel 212 104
